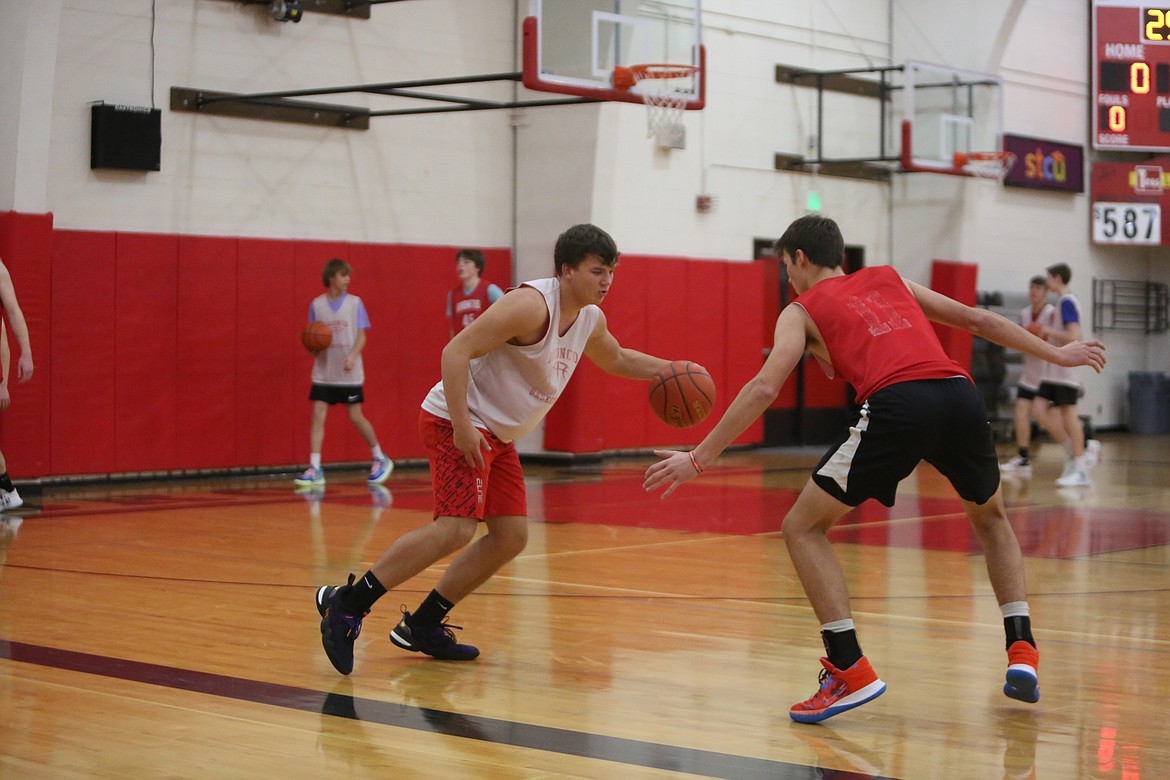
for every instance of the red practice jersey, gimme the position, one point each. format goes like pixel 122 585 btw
pixel 465 307
pixel 875 331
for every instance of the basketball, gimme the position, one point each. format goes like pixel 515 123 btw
pixel 682 394
pixel 317 336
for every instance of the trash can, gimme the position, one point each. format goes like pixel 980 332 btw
pixel 1149 402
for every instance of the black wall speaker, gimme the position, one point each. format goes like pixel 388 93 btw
pixel 125 137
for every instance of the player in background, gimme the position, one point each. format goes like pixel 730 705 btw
pixel 1061 385
pixel 338 373
pixel 873 328
pixel 1038 314
pixel 500 376
pixel 9 497
pixel 471 297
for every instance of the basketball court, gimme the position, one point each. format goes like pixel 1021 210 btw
pixel 157 627
pixel 174 632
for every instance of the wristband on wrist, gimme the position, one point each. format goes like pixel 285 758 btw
pixel 695 463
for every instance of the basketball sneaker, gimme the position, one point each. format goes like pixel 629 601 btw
pixel 1018 464
pixel 339 627
pixel 381 470
pixel 1023 682
pixel 311 476
pixel 1092 453
pixel 437 641
pixel 10 499
pixel 840 690
pixel 1076 475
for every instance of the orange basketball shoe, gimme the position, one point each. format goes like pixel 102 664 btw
pixel 1023 681
pixel 840 690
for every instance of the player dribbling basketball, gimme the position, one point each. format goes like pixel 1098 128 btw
pixel 498 382
pixel 873 328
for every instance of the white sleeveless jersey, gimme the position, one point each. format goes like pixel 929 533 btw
pixel 328 366
pixel 1062 375
pixel 511 388
pixel 1033 373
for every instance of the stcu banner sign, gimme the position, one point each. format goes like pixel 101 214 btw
pixel 1045 165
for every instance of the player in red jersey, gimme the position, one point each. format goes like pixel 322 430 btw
pixel 873 328
pixel 471 297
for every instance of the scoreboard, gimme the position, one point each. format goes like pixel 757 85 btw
pixel 1131 76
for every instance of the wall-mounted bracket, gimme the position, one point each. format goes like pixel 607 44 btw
pixel 873 168
pixel 356 9
pixel 281 107
pixel 208 101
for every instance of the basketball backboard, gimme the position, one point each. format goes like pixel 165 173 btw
pixel 573 46
pixel 946 111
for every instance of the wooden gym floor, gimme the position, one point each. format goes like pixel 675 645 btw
pixel 168 630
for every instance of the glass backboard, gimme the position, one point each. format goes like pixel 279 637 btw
pixel 573 46
pixel 945 110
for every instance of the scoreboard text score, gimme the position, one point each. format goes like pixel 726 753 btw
pixel 1131 76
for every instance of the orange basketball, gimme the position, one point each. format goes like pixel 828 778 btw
pixel 317 336
pixel 682 394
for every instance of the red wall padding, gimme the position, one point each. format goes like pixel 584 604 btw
pixel 161 352
pixel 206 370
pixel 956 280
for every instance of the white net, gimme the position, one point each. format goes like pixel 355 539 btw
pixel 665 92
pixel 989 167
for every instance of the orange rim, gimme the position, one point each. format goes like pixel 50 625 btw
pixel 1003 158
pixel 661 71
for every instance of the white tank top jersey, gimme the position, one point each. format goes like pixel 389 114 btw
pixel 511 388
pixel 1068 309
pixel 328 366
pixel 1033 373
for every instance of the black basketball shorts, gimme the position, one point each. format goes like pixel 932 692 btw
pixel 337 394
pixel 1058 395
pixel 941 421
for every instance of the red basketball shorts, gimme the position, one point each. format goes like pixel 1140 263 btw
pixel 462 491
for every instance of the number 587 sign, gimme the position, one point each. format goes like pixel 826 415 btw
pixel 1127 223
pixel 1127 202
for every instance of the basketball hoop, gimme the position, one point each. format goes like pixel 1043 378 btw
pixel 662 90
pixel 991 167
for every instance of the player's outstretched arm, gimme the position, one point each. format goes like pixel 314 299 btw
pixel 676 468
pixel 612 358
pixel 994 327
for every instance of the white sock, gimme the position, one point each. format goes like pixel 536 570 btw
pixel 315 460
pixel 839 625
pixel 1015 609
pixel 377 450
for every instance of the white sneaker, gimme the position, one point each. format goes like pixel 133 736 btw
pixel 1076 476
pixel 1018 464
pixel 1092 452
pixel 10 499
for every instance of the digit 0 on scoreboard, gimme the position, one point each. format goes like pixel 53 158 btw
pixel 1131 76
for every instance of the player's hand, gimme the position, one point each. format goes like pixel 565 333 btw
pixel 471 443
pixel 1083 353
pixel 673 470
pixel 24 368
pixel 5 398
pixel 348 363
